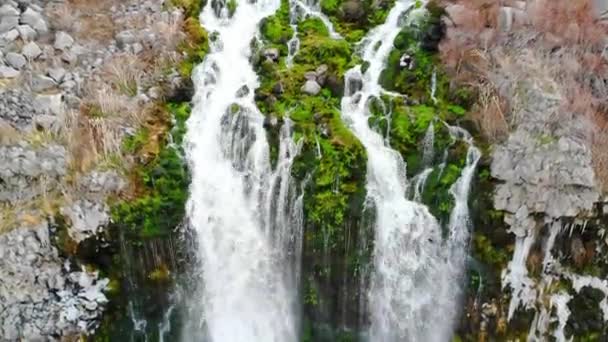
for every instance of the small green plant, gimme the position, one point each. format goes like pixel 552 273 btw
pixel 231 5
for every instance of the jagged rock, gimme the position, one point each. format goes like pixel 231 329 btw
pixel 270 121
pixel 26 32
pixel 57 74
pixel 406 61
pixel 310 75
pixel 8 72
pixel 63 41
pixel 155 93
pixel 272 54
pixel 47 123
pixel 23 165
pixel 354 85
pixel 125 38
pixel 322 74
pixel 278 88
pixel 101 182
pixel 353 10
pixel 15 60
pixel 335 85
pixel 35 20
pixel 242 92
pixel 41 83
pixel 49 104
pixel 10 36
pixel 31 50
pixel 8 10
pixel 311 87
pixel 137 48
pixel 8 23
pixel 69 57
pixel 86 218
pixel 322 70
pixel 41 298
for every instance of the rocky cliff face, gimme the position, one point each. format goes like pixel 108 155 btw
pixel 76 79
pixel 548 254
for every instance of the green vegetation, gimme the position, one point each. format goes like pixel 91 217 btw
pixel 159 206
pixel 196 45
pixel 353 18
pixel 231 4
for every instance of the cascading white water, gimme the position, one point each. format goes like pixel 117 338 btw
pixel 298 9
pixel 420 182
pixel 428 145
pixel 460 225
pixel 239 208
pixel 413 291
pixel 408 292
pixel 293 45
pixel 312 9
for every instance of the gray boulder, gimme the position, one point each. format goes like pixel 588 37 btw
pixel 42 83
pixel 10 36
pixel 8 72
pixel 31 50
pixel 26 32
pixel 125 38
pixel 272 54
pixel 15 60
pixel 311 87
pixel 87 219
pixel 8 23
pixel 7 10
pixel 57 74
pixel 49 104
pixel 35 20
pixel 63 41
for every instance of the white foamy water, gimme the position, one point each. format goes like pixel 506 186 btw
pixel 412 295
pixel 243 211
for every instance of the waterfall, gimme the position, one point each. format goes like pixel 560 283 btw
pixel 297 8
pixel 420 182
pixel 293 45
pixel 434 86
pixel 239 208
pixel 428 145
pixel 407 251
pixel 414 284
pixel 460 221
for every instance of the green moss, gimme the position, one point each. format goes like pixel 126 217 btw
pixel 231 5
pixel 191 8
pixel 354 28
pixel 488 253
pixel 195 47
pixel 276 29
pixel 164 183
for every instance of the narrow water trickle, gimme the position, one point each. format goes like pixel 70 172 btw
pixel 298 10
pixel 242 211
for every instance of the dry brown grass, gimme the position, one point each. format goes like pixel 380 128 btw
pixel 64 17
pixel 124 73
pixel 560 47
pixel 8 134
pixel 600 158
pixel 489 114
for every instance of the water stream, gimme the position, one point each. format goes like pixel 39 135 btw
pixel 412 285
pixel 239 207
